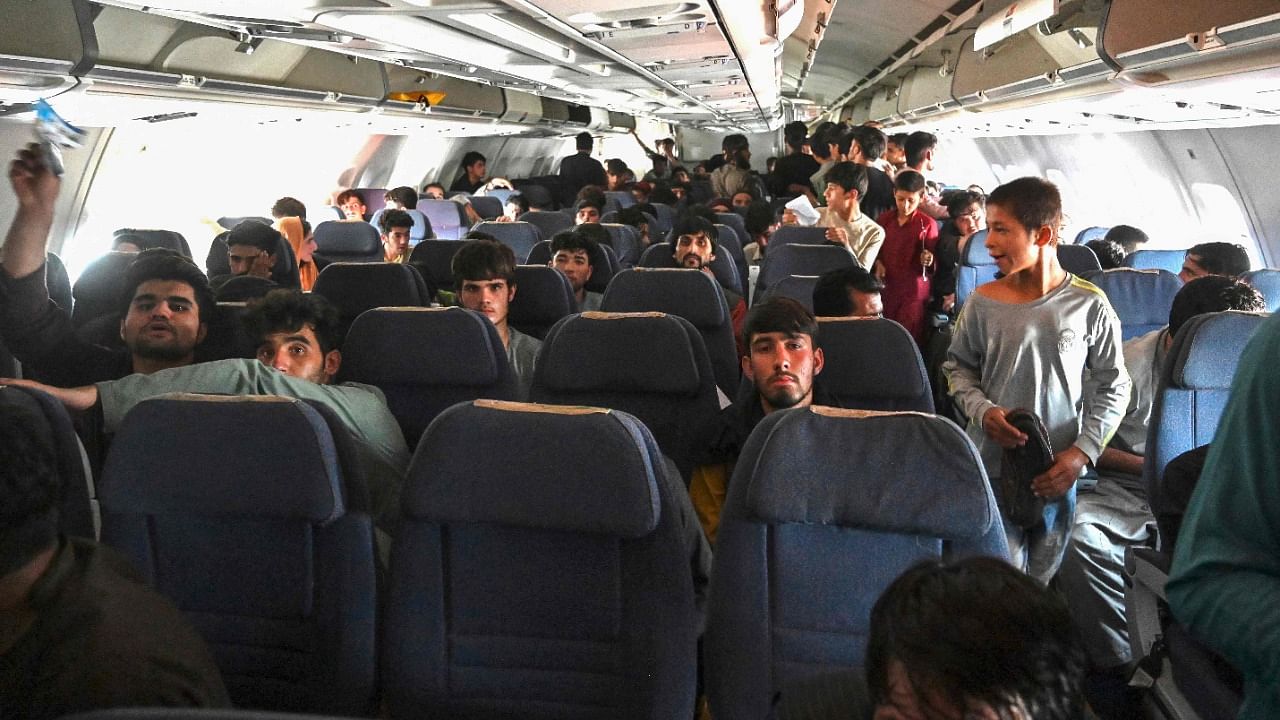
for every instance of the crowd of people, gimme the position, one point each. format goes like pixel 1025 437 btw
pixel 1048 626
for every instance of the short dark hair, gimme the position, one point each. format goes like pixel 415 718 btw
pixel 736 142
pixel 1128 236
pixel 286 310
pixel 899 139
pixel 483 259
pixel 404 195
pixel 977 630
pixel 392 218
pixel 471 157
pixel 850 176
pixel 957 200
pixel 779 314
pixel 1110 253
pixel 1220 258
pixel 632 216
pixel 831 292
pixel 692 223
pixel 587 202
pixel 614 166
pixel 289 207
pixel 759 217
pixel 576 239
pixel 584 141
pixel 31 488
pixel 871 141
pixel 165 264
pixel 519 200
pixel 917 144
pixel 1212 293
pixel 1034 202
pixel 430 185
pixel 255 234
pixel 908 181
pixel 347 195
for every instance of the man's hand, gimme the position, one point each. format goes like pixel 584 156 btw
pixel 76 399
pixel 948 302
pixel 1000 431
pixel 35 184
pixel 838 235
pixel 789 217
pixel 1058 479
pixel 877 269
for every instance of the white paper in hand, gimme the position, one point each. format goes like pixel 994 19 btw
pixel 805 213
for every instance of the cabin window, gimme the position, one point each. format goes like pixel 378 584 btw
pixel 1222 219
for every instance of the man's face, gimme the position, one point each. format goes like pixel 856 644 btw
pixel 354 208
pixel 589 214
pixel 615 181
pixel 678 192
pixel 895 154
pixel 639 196
pixel 741 200
pixel 395 244
pixel 971 220
pixel 866 305
pixel 298 353
pixel 838 198
pixel 575 264
pixel 475 171
pixel 250 260
pixel 782 367
pixel 492 297
pixel 1013 246
pixel 694 251
pixel 511 211
pixel 434 192
pixel 907 201
pixel 163 322
pixel 1191 269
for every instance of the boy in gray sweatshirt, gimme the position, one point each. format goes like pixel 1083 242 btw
pixel 1024 341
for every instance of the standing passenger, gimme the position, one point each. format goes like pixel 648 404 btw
pixel 580 169
pixel 920 148
pixel 735 174
pixel 906 261
pixel 845 223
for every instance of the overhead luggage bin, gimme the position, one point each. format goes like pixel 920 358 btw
pixel 1031 63
pixel 522 107
pixel 926 92
pixel 884 104
pixel 1152 42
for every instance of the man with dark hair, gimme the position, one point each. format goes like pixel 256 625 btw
pixel 1214 258
pixel 471 175
pixel 866 145
pixel 484 271
pixel 402 198
pixel 635 217
pixel 79 628
pixel 822 143
pixel 396 227
pixel 919 152
pixel 571 254
pixel 781 361
pixel 1128 237
pixel 1115 514
pixel 790 176
pixel 165 306
pixel 1110 253
pixel 251 249
pixel 695 248
pixel 843 218
pixel 352 205
pixel 580 169
pixel 298 334
pixel 895 150
pixel 615 173
pixel 848 292
pixel 973 638
pixel 760 222
pixel 735 173
pixel 288 207
pixel 588 211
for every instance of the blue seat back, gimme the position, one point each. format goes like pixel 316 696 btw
pixel 661 255
pixel 356 287
pixel 796 287
pixel 76 510
pixel 549 222
pixel 1267 281
pixel 348 241
pixel 519 236
pixel 626 243
pixel 689 294
pixel 448 219
pixel 434 261
pixel 266 546
pixel 808 540
pixel 426 359
pixel 537 584
pixel 727 242
pixel 976 267
pixel 1078 259
pixel 543 296
pixel 420 231
pixel 1168 260
pixel 666 217
pixel 872 364
pixel 1090 234
pixel 619 198
pixel 374 198
pixel 651 365
pixel 799 259
pixel 1195 383
pixel 739 225
pixel 1141 298
pixel 485 206
pixel 788 234
pixel 500 193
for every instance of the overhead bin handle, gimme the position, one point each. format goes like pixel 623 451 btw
pixel 85 13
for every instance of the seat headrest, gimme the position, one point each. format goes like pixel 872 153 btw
pixel 914 473
pixel 601 477
pixel 347 237
pixel 872 359
pixel 1140 297
pixel 259 456
pixel 543 295
pixel 975 251
pixel 356 287
pixel 1207 349
pixel 690 294
pixel 621 352
pixel 450 346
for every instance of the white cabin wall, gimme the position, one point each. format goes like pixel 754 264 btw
pixel 699 145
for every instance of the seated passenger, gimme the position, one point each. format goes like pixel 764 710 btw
pixel 402 198
pixel 848 292
pixel 742 200
pixel 435 191
pixel 695 247
pixel 484 271
pixel 352 205
pixel 571 253
pixel 396 227
pixel 288 207
pixel 781 362
pixel 1128 237
pixel 617 174
pixel 517 204
pixel 967 215
pixel 166 304
pixel 298 356
pixel 471 175
pixel 1115 514
pixel 251 250
pixel 588 211
pixel 1214 258
pixel 1110 253
pixel 634 217
pixel 641 193
pixel 760 222
pixel 845 223
pixel 79 628
pixel 298 232
pixel 906 261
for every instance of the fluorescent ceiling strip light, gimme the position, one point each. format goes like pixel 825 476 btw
pixel 505 31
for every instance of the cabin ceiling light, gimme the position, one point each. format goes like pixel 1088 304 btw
pixel 500 29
